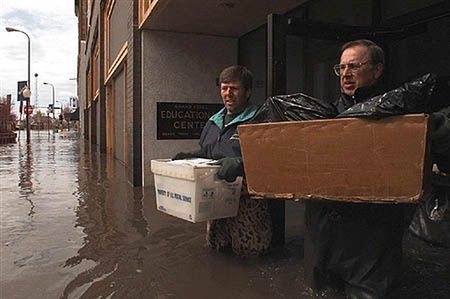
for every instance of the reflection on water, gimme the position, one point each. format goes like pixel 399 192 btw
pixel 110 212
pixel 25 172
pixel 37 214
pixel 86 232
pixel 73 227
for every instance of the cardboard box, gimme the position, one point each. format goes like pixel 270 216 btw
pixel 351 159
pixel 190 190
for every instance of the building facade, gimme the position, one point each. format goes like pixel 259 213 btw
pixel 148 69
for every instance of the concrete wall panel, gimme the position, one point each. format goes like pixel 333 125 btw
pixel 178 67
pixel 118 30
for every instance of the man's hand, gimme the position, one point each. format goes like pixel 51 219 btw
pixel 440 139
pixel 231 168
pixel 183 155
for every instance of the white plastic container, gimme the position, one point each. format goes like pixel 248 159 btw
pixel 190 190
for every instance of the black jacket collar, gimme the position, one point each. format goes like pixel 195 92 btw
pixel 361 94
pixel 364 93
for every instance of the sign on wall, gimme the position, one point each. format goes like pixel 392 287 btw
pixel 183 120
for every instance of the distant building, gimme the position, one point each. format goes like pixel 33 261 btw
pixel 7 121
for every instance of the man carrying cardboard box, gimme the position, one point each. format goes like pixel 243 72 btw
pixel 357 246
pixel 250 232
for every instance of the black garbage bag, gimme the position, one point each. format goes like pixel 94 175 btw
pixel 440 97
pixel 431 221
pixel 411 97
pixel 440 139
pixel 297 106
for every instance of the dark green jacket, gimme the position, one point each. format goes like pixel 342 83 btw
pixel 218 140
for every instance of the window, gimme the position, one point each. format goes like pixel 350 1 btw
pixel 95 70
pixel 145 6
pixel 88 87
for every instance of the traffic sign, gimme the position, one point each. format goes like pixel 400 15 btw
pixel 20 86
pixel 28 109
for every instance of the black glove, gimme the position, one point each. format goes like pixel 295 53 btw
pixel 440 139
pixel 231 168
pixel 182 156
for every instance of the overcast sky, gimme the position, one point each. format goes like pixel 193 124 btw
pixel 52 27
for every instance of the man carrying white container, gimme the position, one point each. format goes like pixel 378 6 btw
pixel 250 232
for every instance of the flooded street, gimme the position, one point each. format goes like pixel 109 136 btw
pixel 73 227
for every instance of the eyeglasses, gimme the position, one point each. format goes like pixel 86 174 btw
pixel 339 68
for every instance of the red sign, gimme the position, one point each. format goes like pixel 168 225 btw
pixel 28 109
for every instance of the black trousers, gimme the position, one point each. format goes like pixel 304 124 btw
pixel 359 245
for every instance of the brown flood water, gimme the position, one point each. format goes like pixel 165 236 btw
pixel 72 227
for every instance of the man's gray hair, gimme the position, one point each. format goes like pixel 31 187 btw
pixel 376 54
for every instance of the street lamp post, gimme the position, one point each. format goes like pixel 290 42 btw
pixel 53 97
pixel 28 93
pixel 61 117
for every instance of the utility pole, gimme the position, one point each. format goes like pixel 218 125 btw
pixel 27 92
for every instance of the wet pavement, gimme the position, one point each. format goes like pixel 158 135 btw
pixel 72 227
